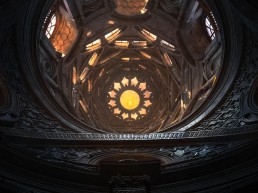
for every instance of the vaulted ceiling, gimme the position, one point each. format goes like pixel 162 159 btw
pixel 131 96
pixel 168 52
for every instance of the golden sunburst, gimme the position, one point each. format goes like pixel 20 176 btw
pixel 129 99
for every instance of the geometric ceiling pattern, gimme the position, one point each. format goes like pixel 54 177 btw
pixel 128 96
pixel 131 48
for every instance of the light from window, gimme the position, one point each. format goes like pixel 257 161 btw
pixel 123 43
pixel 139 43
pixel 109 57
pixel 146 55
pixel 93 45
pixel 89 85
pixel 111 22
pixel 143 111
pixel 134 116
pixel 126 59
pixel 149 35
pixel 167 59
pixel 129 99
pixel 117 111
pixel 134 81
pixel 167 45
pixel 112 35
pixel 83 106
pixel 142 86
pixel 129 59
pixel 51 26
pixel 112 103
pixel 209 28
pixel 125 81
pixel 74 75
pixel 83 74
pixel 93 59
pixel 147 103
pixel 112 94
pixel 117 86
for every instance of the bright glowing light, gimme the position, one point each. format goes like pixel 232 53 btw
pixel 94 45
pixel 149 35
pixel 122 43
pixel 143 111
pixel 209 28
pixel 89 33
pixel 125 81
pixel 142 86
pixel 167 59
pixel 74 76
pixel 112 35
pixel 146 55
pixel 51 26
pixel 147 103
pixel 130 99
pixel 111 22
pixel 83 74
pixel 132 95
pixel 134 116
pixel 83 106
pixel 167 45
pixel 112 94
pixel 117 86
pixel 117 111
pixel 93 59
pixel 112 103
pixel 139 43
pixel 134 81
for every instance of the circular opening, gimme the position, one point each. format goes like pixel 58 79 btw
pixel 130 99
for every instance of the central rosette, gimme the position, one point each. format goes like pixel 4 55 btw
pixel 129 98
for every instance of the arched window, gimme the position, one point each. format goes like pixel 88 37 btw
pixel 209 28
pixel 51 26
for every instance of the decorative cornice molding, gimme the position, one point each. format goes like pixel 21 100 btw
pixel 177 137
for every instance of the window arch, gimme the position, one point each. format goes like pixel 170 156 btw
pixel 51 26
pixel 209 28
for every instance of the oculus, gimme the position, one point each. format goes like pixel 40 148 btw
pixel 129 99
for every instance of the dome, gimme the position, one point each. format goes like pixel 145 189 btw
pixel 170 64
pixel 136 96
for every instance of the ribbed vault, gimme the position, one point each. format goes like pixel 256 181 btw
pixel 133 96
pixel 131 45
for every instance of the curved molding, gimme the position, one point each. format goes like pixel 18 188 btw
pixel 232 43
pixel 231 61
pixel 247 12
pixel 235 168
pixel 165 139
